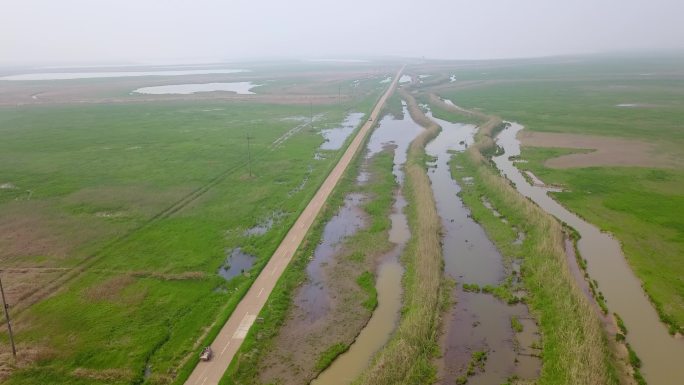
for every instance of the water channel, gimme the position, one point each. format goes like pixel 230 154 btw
pixel 477 322
pixel 397 134
pixel 662 355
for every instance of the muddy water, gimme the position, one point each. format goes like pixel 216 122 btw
pixel 662 355
pixel 335 137
pixel 349 365
pixel 238 262
pixel 313 296
pixel 478 321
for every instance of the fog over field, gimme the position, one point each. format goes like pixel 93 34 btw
pixel 154 31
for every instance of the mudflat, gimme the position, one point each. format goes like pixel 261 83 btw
pixel 606 151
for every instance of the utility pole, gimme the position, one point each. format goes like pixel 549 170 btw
pixel 9 324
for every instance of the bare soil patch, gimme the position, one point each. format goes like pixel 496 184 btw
pixel 607 151
pixel 20 283
pixel 110 289
pixel 29 235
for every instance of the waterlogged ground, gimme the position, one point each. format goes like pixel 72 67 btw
pixel 123 237
pixel 395 134
pixel 325 312
pixel 335 137
pixel 479 343
pixel 659 352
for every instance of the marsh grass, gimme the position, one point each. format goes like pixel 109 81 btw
pixel 575 349
pixel 406 359
pixel 360 248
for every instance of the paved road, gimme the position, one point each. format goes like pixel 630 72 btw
pixel 234 331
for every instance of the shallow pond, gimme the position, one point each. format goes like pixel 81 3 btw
pixel 335 137
pixel 240 88
pixel 238 262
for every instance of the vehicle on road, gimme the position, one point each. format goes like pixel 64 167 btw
pixel 206 354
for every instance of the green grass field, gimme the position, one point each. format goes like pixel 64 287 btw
pixel 641 206
pixel 96 182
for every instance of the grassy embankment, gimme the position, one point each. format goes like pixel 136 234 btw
pixel 575 349
pixel 406 359
pixel 643 207
pixel 152 297
pixel 359 250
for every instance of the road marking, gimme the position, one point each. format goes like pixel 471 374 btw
pixel 244 326
pixel 204 372
pixel 205 380
pixel 261 291
pixel 224 349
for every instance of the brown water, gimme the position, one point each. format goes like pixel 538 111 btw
pixel 477 321
pixel 313 296
pixel 662 355
pixel 349 365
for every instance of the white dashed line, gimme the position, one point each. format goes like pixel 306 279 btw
pixel 224 349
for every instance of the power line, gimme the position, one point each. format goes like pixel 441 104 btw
pixel 9 324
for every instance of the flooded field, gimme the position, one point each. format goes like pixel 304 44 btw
pixel 313 297
pixel 335 137
pixel 349 365
pixel 240 88
pixel 93 75
pixel 238 262
pixel 660 353
pixel 265 224
pixel 479 343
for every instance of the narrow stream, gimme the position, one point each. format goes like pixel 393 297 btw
pixel 349 365
pixel 662 355
pixel 477 322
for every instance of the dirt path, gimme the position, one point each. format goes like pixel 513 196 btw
pixel 235 330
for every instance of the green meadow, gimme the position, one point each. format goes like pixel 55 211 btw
pixel 141 203
pixel 643 207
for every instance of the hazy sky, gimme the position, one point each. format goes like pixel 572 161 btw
pixel 52 31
